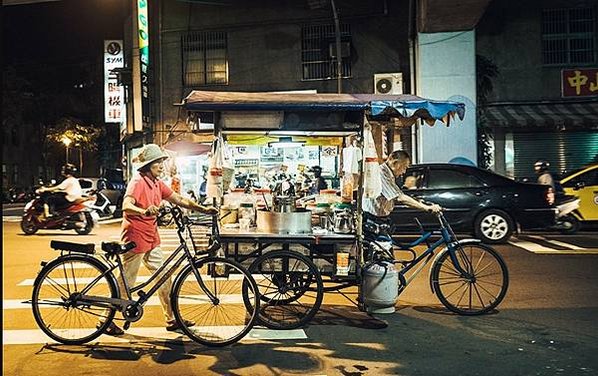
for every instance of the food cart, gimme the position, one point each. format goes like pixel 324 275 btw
pixel 299 245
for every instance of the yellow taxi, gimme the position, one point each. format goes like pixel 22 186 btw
pixel 583 184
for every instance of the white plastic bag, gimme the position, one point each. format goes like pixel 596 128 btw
pixel 214 187
pixel 372 183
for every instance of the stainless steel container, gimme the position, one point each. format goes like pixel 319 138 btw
pixel 297 222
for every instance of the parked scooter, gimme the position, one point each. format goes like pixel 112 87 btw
pixel 566 221
pixel 74 217
pixel 100 204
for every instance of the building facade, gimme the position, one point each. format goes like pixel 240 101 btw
pixel 544 102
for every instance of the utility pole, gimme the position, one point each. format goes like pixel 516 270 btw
pixel 339 63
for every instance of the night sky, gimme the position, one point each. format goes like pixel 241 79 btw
pixel 60 32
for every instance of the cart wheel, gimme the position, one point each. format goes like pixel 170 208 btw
pixel 290 287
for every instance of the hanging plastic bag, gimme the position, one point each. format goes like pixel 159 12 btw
pixel 372 183
pixel 228 169
pixel 214 187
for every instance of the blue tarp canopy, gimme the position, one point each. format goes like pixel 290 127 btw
pixel 406 107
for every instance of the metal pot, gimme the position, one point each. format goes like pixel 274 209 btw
pixel 283 204
pixel 343 221
pixel 298 222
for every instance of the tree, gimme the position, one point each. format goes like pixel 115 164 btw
pixel 82 136
pixel 486 71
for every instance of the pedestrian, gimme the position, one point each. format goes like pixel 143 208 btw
pixel 140 206
pixel 175 180
pixel 380 207
pixel 318 183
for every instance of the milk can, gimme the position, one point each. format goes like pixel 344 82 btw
pixel 380 287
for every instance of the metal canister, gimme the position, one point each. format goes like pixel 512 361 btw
pixel 380 287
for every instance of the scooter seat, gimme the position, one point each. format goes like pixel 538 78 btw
pixel 73 247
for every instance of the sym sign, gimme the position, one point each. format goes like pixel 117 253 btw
pixel 114 101
pixel 579 82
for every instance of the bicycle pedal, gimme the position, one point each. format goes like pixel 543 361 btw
pixel 127 325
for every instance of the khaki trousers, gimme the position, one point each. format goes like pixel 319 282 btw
pixel 152 261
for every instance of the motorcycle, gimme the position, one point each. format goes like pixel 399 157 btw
pixel 566 221
pixel 73 217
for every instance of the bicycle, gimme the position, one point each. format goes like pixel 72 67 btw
pixel 72 292
pixel 468 277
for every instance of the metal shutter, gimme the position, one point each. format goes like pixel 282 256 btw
pixel 564 150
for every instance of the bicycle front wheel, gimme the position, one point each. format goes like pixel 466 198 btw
pixel 56 303
pixel 214 302
pixel 483 286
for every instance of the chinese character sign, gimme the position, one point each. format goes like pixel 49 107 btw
pixel 114 106
pixel 143 34
pixel 579 82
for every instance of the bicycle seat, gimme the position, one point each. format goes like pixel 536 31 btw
pixel 117 248
pixel 73 247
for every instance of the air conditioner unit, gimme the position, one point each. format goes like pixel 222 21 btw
pixel 388 83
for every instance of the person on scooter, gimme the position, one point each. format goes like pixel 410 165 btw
pixel 140 206
pixel 544 176
pixel 65 193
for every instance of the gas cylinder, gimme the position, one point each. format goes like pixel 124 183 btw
pixel 380 287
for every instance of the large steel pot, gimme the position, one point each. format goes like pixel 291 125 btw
pixel 297 222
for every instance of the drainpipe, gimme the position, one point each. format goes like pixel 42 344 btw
pixel 339 62
pixel 412 63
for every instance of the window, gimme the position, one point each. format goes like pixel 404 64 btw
pixel 318 52
pixel 448 179
pixel 568 36
pixel 587 179
pixel 205 60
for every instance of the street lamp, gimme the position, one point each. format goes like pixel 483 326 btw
pixel 66 141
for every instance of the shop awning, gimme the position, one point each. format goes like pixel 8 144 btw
pixel 569 115
pixel 186 148
pixel 401 106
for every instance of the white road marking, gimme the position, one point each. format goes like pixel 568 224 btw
pixel 153 301
pixel 559 243
pixel 140 279
pixel 540 249
pixel 36 336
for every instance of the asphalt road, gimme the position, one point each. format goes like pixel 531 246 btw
pixel 545 326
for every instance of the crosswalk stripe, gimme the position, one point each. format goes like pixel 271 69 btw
pixel 8 304
pixel 140 279
pixel 540 249
pixel 558 242
pixel 36 336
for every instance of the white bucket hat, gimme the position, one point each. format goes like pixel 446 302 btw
pixel 148 154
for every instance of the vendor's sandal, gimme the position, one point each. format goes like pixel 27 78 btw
pixel 175 325
pixel 112 329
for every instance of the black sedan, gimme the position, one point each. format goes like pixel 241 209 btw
pixel 477 201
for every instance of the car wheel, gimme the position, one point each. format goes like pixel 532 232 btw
pixel 494 226
pixel 570 225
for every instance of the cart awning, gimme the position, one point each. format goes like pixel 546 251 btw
pixel 407 107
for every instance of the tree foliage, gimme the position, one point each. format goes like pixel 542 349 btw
pixel 84 136
pixel 486 72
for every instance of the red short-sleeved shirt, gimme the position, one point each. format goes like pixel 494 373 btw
pixel 142 229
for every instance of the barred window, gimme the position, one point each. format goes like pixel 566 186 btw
pixel 318 52
pixel 568 36
pixel 205 59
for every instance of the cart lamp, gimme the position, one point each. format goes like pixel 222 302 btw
pixel 285 142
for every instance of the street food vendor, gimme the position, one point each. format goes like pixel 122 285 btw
pixel 380 207
pixel 318 183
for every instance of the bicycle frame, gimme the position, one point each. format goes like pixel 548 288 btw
pixel 447 237
pixel 165 271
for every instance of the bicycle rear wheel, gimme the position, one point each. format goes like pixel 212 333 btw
pixel 478 292
pixel 290 289
pixel 55 304
pixel 215 302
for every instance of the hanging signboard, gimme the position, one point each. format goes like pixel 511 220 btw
pixel 114 106
pixel 579 82
pixel 143 32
